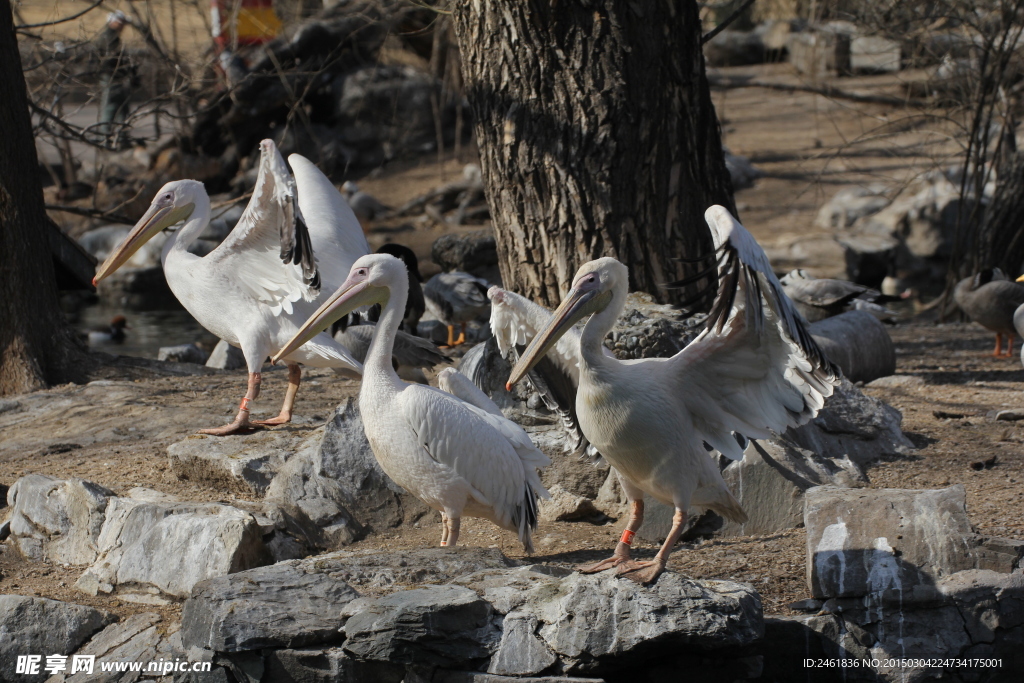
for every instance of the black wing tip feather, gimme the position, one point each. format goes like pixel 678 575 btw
pixel 297 249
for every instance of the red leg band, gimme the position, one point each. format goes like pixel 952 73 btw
pixel 245 404
pixel 627 537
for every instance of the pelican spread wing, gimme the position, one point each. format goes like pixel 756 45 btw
pixel 269 251
pixel 515 321
pixel 754 369
pixel 493 455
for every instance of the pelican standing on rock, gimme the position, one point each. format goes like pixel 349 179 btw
pixel 754 370
pixel 256 288
pixel 455 457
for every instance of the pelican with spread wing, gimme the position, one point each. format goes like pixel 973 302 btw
pixel 460 457
pixel 296 237
pixel 754 371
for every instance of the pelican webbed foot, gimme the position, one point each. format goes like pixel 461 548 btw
pixel 281 419
pixel 620 556
pixel 236 427
pixel 642 572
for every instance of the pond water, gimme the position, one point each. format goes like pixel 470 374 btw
pixel 147 330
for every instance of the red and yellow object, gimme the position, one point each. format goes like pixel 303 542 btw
pixel 243 22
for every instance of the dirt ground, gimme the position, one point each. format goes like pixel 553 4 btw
pixel 116 434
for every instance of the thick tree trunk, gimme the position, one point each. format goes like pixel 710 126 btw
pixel 597 137
pixel 36 347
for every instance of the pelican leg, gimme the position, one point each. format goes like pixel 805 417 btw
pixel 294 377
pixel 241 423
pixel 621 554
pixel 444 529
pixel 999 345
pixel 453 530
pixel 451 335
pixel 646 572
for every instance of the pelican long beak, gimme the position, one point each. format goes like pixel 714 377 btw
pixel 576 306
pixel 1020 279
pixel 348 298
pixel 155 219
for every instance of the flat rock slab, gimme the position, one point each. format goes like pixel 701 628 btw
pixel 169 547
pixel 327 665
pixel 373 570
pixel 243 462
pixel 432 626
pixel 39 626
pixel 57 519
pixel 864 542
pixel 282 605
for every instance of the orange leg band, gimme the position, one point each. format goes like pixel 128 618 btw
pixel 627 537
pixel 245 404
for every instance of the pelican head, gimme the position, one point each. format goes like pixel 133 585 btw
pixel 173 204
pixel 593 288
pixel 369 282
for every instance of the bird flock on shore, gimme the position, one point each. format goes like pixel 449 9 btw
pixel 298 266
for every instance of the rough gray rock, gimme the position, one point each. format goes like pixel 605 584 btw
pixel 373 570
pixel 39 626
pixel 858 343
pixel 877 541
pixel 341 474
pixel 138 638
pixel 183 353
pixel 327 665
pixel 432 626
pixel 520 652
pixel 650 330
pixel 57 519
pixel 564 506
pixel 448 676
pixel 242 462
pixel 226 357
pixel 851 203
pixel 289 604
pixel 169 547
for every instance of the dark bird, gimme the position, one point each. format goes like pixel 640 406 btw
pixel 990 299
pixel 114 332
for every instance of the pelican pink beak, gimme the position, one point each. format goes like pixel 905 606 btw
pixel 1020 279
pixel 161 214
pixel 581 301
pixel 350 296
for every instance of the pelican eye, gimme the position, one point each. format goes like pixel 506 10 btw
pixel 361 271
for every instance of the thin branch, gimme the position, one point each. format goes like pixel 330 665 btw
pixel 728 20
pixel 61 21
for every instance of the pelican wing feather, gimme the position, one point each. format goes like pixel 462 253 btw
pixel 493 455
pixel 269 251
pixel 755 369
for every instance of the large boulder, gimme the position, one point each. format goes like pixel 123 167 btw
pixel 282 605
pixel 873 541
pixel 320 664
pixel 166 548
pixel 850 204
pixel 226 357
pixel 474 252
pixel 858 343
pixel 39 626
pixel 57 519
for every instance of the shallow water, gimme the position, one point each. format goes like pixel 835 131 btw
pixel 147 330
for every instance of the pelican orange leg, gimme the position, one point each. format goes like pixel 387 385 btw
pixel 294 377
pixel 621 554
pixel 241 423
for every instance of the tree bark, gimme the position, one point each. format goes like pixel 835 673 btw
pixel 597 137
pixel 36 347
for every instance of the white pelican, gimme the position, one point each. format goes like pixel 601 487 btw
pixel 754 370
pixel 990 300
pixel 256 288
pixel 455 298
pixel 455 457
